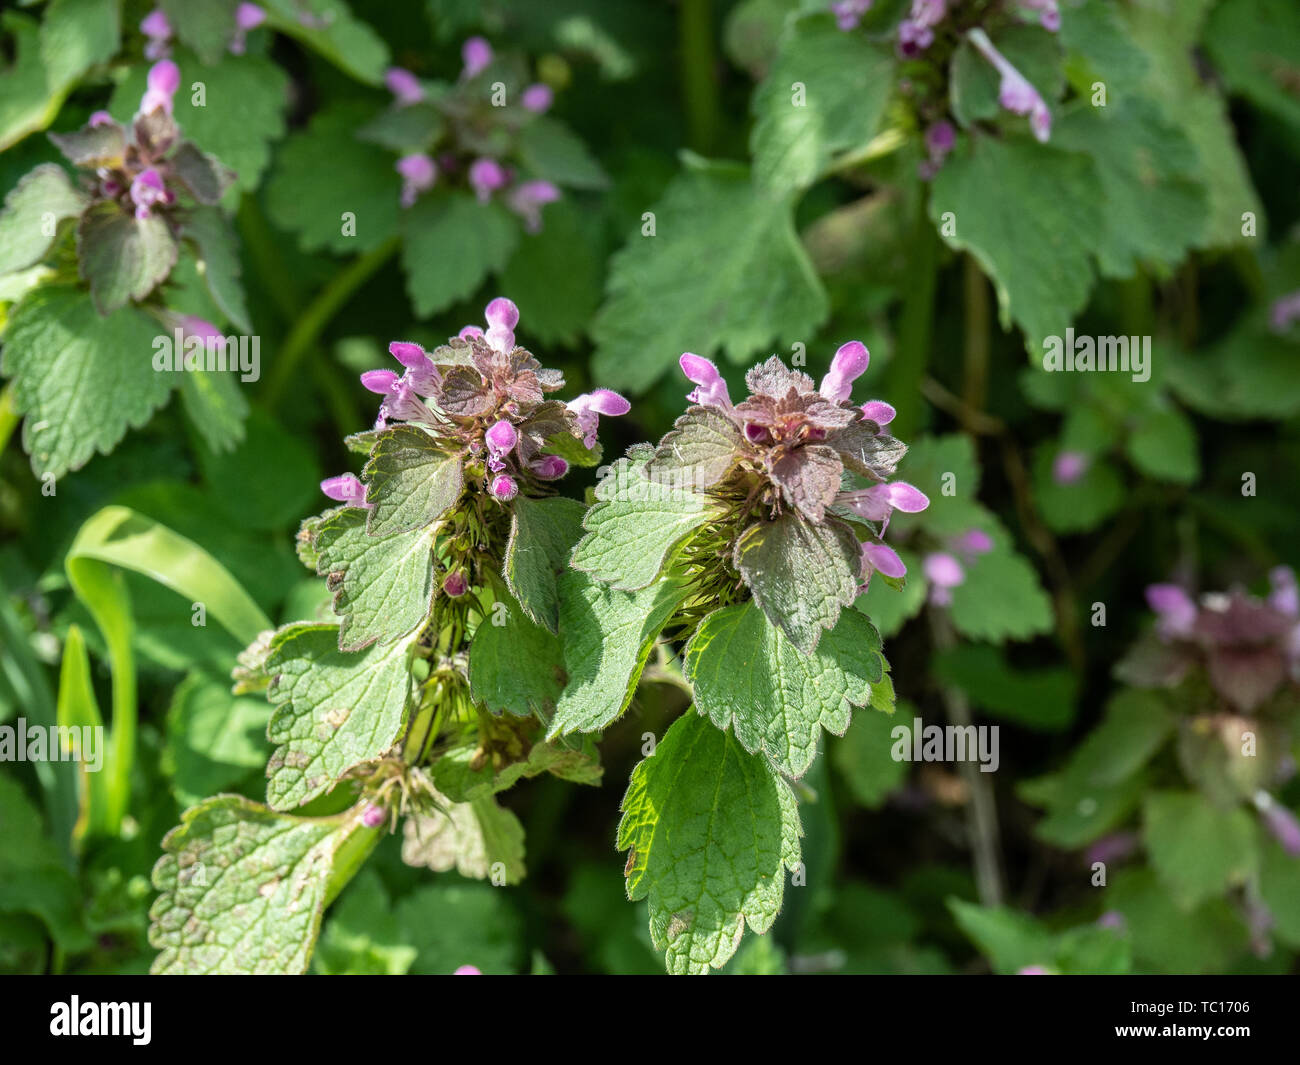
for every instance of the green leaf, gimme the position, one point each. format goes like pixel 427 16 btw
pixel 551 151
pixel 515 666
pixel 1011 940
pixel 890 608
pixel 1098 48
pixel 1150 183
pixel 123 257
pixel 333 710
pixel 459 776
pixel 1164 446
pixel 1001 598
pixel 323 173
pixel 77 34
pixel 258 495
pixel 242 888
pixel 636 524
pixel 1279 887
pixel 1081 505
pixel 454 923
pixel 711 832
pixel 202 174
pixel 42 197
pixel 1030 214
pixel 801 574
pixel 216 406
pixel 1040 699
pixel 470 837
pixel 207 28
pixel 607 637
pixel 241 117
pixel 80 379
pixel 411 481
pixel 361 936
pixel 216 741
pixel 542 535
pixel 864 756
pixel 746 674
pixel 1169 939
pixel 329 28
pixel 1198 849
pixel 1251 373
pixel 1256 49
pixel 382 584
pixel 451 243
pixel 700 449
pixel 724 271
pixel 845 81
pixel 27 101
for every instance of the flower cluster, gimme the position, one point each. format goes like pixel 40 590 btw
pixel 800 440
pixel 143 167
pixel 158 32
pixel 946 570
pixel 462 138
pixel 485 396
pixel 917 32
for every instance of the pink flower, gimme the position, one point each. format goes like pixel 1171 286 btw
pixel 467 970
pixel 1070 466
pixel 194 326
pixel 879 501
pixel 712 389
pixel 423 375
pixel 1049 13
pixel 147 190
pixel 419 173
pixel 1284 311
pixel 971 543
pixel 1034 970
pixel 101 118
pixel 1285 597
pixel 477 55
pixel 878 411
pixel 400 398
pixel 850 362
pixel 1015 93
pixel 881 558
pixel 373 816
pixel 503 487
pixel 1280 822
pixel 587 407
pixel 501 439
pixel 163 81
pixel 944 574
pixel 247 17
pixel 345 488
pixel 501 316
pixel 159 31
pixel 455 584
pixel 527 200
pixel 404 86
pixel 549 467
pixel 485 177
pixel 848 13
pixel 1176 613
pixel 537 98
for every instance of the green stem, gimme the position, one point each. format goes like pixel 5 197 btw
pixel 913 349
pixel 8 415
pixel 699 64
pixel 351 855
pixel 267 259
pixel 975 375
pixel 328 302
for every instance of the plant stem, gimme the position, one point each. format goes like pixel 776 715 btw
pixel 976 352
pixel 328 302
pixel 982 812
pixel 699 63
pixel 8 415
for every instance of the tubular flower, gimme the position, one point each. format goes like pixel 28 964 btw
pixel 1015 93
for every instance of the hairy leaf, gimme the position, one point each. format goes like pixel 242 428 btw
pixel 451 243
pixel 542 535
pixel 699 450
pixel 470 837
pixel 44 195
pixel 410 480
pixel 123 257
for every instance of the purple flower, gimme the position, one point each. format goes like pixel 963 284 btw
pixel 1034 970
pixel 1069 466
pixel 588 406
pixel 404 86
pixel 1284 312
pixel 944 574
pixel 501 316
pixel 916 32
pixel 147 190
pixel 879 501
pixel 501 439
pixel 164 79
pixel 1280 821
pixel 1049 13
pixel 549 467
pixel 971 543
pixel 878 411
pixel 419 173
pixel 537 98
pixel 345 488
pixel 455 584
pixel 159 31
pixel 101 118
pixel 467 970
pixel 503 487
pixel 400 398
pixel 1014 93
pixel 848 13
pixel 477 55
pixel 1112 919
pixel 247 17
pixel 1176 613
pixel 712 389
pixel 527 200
pixel 1285 597
pixel 194 326
pixel 373 816
pixel 423 375
pixel 485 177
pixel 850 362
pixel 882 558
pixel 1113 848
